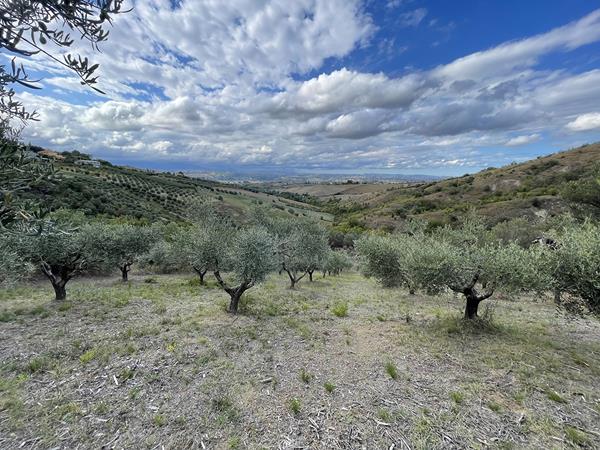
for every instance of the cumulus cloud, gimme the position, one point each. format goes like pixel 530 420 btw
pixel 241 82
pixel 523 53
pixel 522 140
pixel 585 122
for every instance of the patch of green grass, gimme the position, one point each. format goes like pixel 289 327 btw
pixel 226 409
pixel 457 397
pixel 494 406
pixel 555 396
pixel 384 415
pixel 576 437
pixel 89 355
pixel 391 370
pixel 159 420
pixel 340 309
pixel 295 406
pixel 38 364
pixel 305 376
pixel 329 387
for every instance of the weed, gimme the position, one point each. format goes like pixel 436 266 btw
pixel 385 415
pixel 159 420
pixel 555 396
pixel 88 356
pixel 575 436
pixel 340 309
pixel 38 364
pixel 101 408
pixel 295 406
pixel 305 376
pixel 457 397
pixel 126 374
pixel 329 387
pixel 235 443
pixel 496 407
pixel 391 370
pixel 226 409
pixel 160 308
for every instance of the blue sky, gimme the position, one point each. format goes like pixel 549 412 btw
pixel 406 86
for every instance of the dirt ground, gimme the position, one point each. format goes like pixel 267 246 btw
pixel 339 363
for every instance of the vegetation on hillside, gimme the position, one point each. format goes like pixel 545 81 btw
pixel 545 187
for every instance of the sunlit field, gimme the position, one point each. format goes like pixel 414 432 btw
pixel 338 363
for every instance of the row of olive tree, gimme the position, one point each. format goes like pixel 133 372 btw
pixel 467 260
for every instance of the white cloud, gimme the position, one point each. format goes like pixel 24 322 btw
pixel 413 18
pixel 219 85
pixel 585 122
pixel 522 140
pixel 524 53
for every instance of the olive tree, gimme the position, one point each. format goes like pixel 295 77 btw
pixel 575 263
pixel 123 245
pixel 391 259
pixel 198 247
pixel 464 260
pixel 335 262
pixel 63 253
pixel 249 255
pixel 477 272
pixel 302 248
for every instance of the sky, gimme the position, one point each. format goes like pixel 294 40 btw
pixel 431 87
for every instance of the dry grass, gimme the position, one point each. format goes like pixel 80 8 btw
pixel 161 365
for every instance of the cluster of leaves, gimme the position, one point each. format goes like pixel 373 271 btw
pixel 30 27
pixel 19 170
pixel 467 260
pixel 575 265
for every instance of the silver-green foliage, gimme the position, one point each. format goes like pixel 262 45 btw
pixel 122 245
pixel 466 260
pixel 336 261
pixel 12 266
pixel 249 254
pixel 575 263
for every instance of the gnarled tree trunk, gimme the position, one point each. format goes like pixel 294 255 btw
pixel 472 305
pixel 60 290
pixel 125 272
pixel 201 273
pixel 235 293
pixel 310 275
pixel 293 277
pixel 59 276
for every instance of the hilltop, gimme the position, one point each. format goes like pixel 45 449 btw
pixel 536 188
pixel 100 188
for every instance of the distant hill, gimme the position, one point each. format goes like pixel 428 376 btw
pixel 534 188
pixel 97 187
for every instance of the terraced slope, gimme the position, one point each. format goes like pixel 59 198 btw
pixel 119 191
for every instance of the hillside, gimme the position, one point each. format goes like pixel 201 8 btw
pixel 117 191
pixel 531 189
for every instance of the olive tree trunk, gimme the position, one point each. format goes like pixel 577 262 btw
pixel 235 293
pixel 59 276
pixel 201 273
pixel 125 272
